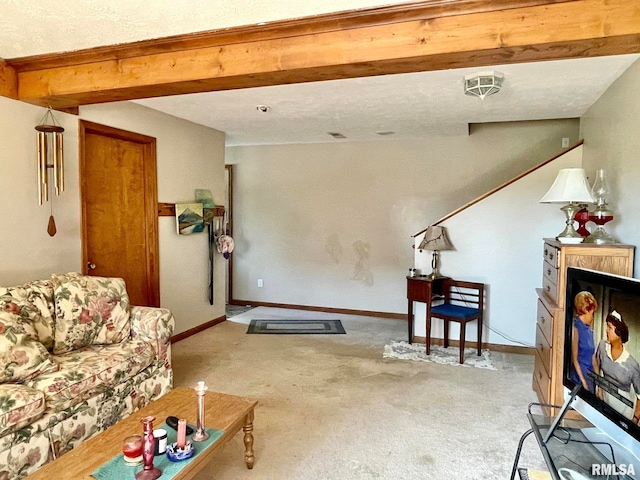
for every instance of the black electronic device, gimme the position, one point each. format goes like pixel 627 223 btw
pixel 613 405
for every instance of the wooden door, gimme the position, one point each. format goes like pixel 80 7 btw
pixel 118 190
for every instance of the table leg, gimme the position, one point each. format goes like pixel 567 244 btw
pixel 410 320
pixel 514 470
pixel 248 440
pixel 428 342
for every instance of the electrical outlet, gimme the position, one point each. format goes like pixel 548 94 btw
pixel 565 142
pixel 260 284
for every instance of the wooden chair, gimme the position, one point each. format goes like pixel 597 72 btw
pixel 463 302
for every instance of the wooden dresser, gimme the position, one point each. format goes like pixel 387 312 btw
pixel 617 258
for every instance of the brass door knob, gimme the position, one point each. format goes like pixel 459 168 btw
pixel 91 265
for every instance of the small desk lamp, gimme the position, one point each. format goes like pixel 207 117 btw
pixel 570 187
pixel 435 239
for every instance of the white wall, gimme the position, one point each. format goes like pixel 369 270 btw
pixel 330 225
pixel 498 242
pixel 611 129
pixel 189 156
pixel 27 252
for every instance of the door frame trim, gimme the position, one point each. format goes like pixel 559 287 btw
pixel 229 169
pixel 150 196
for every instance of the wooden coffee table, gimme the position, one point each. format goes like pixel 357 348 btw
pixel 224 412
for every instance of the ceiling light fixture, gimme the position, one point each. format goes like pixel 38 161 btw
pixel 385 133
pixel 263 108
pixel 483 84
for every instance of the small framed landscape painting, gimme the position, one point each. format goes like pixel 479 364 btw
pixel 204 197
pixel 189 218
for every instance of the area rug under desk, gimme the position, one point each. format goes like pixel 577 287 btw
pixel 439 354
pixel 116 469
pixel 297 327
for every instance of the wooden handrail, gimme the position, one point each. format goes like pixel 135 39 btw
pixel 500 187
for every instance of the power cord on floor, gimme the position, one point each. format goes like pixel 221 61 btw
pixel 503 335
pixel 506 337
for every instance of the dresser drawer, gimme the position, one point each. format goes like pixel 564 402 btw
pixel 550 288
pixel 541 379
pixel 543 349
pixel 545 322
pixel 550 254
pixel 550 272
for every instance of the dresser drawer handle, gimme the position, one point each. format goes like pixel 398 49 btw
pixel 542 319
pixel 551 256
pixel 540 375
pixel 549 271
pixel 548 288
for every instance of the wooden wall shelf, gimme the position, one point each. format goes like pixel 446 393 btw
pixel 169 210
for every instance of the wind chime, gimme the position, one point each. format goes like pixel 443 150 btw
pixel 50 156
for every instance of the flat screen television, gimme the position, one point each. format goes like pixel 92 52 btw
pixel 607 353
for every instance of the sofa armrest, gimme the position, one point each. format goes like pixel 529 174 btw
pixel 155 326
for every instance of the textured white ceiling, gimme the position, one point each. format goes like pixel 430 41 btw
pixel 32 27
pixel 411 105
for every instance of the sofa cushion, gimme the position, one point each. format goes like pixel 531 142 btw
pixel 22 357
pixel 40 294
pixel 33 301
pixel 19 406
pixel 89 311
pixel 89 370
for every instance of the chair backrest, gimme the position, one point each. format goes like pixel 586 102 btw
pixel 464 294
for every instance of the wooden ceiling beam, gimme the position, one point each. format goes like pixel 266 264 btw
pixel 534 31
pixel 8 81
pixel 279 29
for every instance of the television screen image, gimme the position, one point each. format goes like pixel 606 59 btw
pixel 602 354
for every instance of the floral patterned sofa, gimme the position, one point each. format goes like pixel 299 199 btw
pixel 75 358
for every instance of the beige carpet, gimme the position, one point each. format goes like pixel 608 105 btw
pixel 332 408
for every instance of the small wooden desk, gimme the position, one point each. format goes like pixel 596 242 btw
pixel 420 289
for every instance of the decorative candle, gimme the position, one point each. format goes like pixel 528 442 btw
pixel 132 450
pixel 182 433
pixel 201 435
pixel 160 436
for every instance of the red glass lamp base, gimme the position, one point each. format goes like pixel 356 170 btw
pixel 582 217
pixel 600 220
pixel 600 236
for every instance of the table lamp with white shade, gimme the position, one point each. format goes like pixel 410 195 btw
pixel 571 188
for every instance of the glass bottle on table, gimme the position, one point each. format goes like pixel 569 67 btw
pixel 148 472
